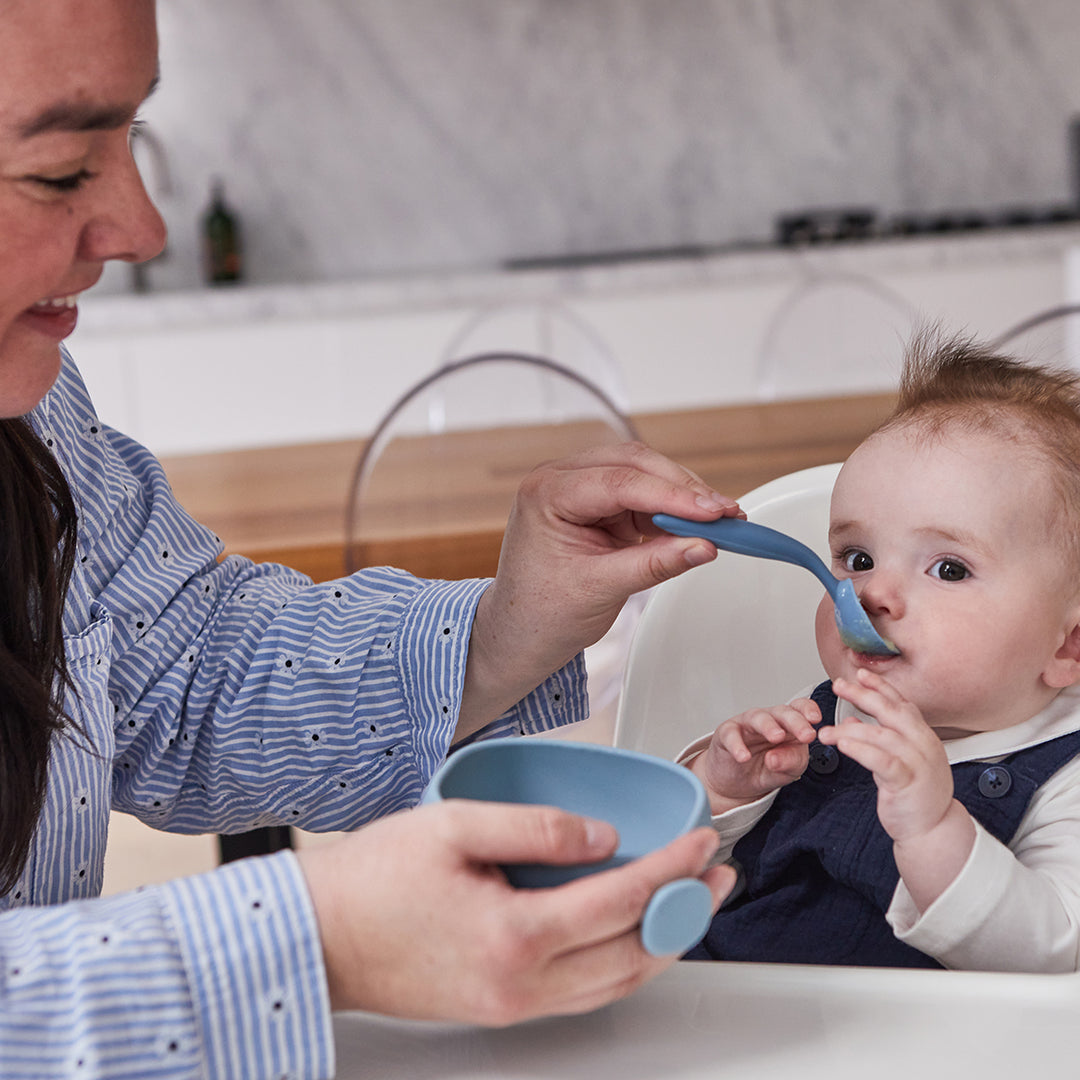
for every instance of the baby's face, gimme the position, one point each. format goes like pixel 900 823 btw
pixel 951 543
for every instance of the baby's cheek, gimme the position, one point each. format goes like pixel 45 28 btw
pixel 830 648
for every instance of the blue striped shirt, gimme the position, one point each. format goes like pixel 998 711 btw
pixel 217 696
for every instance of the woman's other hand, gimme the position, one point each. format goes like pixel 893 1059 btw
pixel 417 920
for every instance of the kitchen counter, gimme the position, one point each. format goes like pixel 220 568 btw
pixel 702 1021
pixel 275 365
pixel 876 257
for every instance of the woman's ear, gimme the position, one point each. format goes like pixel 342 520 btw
pixel 1064 669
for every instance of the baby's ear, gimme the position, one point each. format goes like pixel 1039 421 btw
pixel 1064 669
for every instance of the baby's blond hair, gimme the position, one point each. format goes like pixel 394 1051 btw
pixel 955 382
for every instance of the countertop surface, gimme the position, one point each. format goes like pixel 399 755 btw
pixel 701 1021
pixel 229 305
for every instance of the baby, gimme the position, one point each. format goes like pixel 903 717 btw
pixel 923 809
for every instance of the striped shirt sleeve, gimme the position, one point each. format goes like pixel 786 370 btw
pixel 216 976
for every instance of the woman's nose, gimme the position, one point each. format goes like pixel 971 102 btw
pixel 126 225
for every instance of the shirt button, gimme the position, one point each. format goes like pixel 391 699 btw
pixel 995 782
pixel 824 759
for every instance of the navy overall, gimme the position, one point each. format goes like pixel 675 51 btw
pixel 819 867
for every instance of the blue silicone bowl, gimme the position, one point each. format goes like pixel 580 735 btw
pixel 650 802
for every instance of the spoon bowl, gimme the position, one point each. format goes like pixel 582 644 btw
pixel 748 538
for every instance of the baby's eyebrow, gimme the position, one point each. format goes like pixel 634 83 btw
pixel 952 536
pixel 82 116
pixel 840 528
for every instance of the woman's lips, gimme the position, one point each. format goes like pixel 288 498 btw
pixel 55 317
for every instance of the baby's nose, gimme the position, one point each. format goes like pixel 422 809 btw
pixel 880 593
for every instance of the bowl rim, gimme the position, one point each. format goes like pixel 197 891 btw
pixel 699 812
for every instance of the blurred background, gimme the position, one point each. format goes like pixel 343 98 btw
pixel 360 138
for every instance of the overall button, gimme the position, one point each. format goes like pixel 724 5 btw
pixel 995 782
pixel 824 759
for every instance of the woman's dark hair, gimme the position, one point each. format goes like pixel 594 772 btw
pixel 38 524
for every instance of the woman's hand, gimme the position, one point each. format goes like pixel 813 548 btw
pixel 418 921
pixel 756 752
pixel 579 542
pixel 932 833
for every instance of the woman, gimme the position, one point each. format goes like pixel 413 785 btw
pixel 138 673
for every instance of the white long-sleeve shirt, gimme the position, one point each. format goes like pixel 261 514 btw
pixel 1012 907
pixel 217 696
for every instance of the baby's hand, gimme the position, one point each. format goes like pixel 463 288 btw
pixel 932 833
pixel 908 760
pixel 756 752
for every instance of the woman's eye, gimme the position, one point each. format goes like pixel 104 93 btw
pixel 949 570
pixel 71 182
pixel 857 561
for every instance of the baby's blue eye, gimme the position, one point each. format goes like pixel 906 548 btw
pixel 857 561
pixel 949 570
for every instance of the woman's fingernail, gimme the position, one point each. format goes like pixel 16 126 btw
pixel 714 502
pixel 600 835
pixel 699 554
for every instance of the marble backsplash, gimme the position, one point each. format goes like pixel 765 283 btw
pixel 370 138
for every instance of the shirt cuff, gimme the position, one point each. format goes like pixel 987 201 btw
pixel 559 700
pixel 433 649
pixel 437 629
pixel 251 948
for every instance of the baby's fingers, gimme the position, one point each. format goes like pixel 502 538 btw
pixel 794 723
pixel 867 696
pixel 808 716
pixel 783 722
pixel 787 761
pixel 879 750
pixel 730 738
pixel 876 697
pixel 756 729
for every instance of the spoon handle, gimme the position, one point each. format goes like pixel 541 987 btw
pixel 749 538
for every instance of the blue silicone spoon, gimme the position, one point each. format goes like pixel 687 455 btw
pixel 748 538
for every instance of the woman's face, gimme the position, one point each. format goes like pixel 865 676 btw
pixel 72 75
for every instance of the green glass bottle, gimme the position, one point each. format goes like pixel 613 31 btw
pixel 221 239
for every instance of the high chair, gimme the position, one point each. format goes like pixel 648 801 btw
pixel 732 634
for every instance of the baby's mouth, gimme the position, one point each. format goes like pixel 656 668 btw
pixel 875 659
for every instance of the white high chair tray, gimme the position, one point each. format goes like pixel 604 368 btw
pixel 755 1022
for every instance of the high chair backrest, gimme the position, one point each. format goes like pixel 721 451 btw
pixel 735 633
